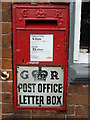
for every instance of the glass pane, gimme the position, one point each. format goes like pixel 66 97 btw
pixel 85 27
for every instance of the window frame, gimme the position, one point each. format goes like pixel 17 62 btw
pixel 78 69
pixel 78 56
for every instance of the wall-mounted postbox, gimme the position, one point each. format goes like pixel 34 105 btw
pixel 40 56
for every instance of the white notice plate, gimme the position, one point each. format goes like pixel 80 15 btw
pixel 40 86
pixel 41 47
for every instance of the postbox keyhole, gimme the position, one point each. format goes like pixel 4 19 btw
pixel 23 60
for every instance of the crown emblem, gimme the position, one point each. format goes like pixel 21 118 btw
pixel 39 74
pixel 41 13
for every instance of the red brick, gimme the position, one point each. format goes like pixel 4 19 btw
pixel 70 117
pixel 40 1
pixel 0 66
pixel 5 41
pixel 0 5
pixel 39 112
pixel 70 110
pixel 6 98
pixel 82 89
pixel 89 99
pixel 88 89
pixel 23 113
pixel 89 111
pixel 0 116
pixel 6 64
pixel 6 86
pixel 56 114
pixel 77 99
pixel 19 1
pixel 6 0
pixel 58 1
pixel 0 17
pixel 0 86
pixel 82 117
pixel 72 89
pixel 0 97
pixel 0 106
pixel 0 25
pixel 0 111
pixel 0 40
pixel 48 114
pixel 7 108
pixel 5 53
pixel 6 28
pixel 0 52
pixel 6 16
pixel 82 110
pixel 14 117
pixel 46 118
pixel 6 5
pixel 76 118
pixel 8 117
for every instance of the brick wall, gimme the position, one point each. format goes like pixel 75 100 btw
pixel 77 94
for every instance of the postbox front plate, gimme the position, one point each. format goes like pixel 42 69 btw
pixel 40 55
pixel 40 86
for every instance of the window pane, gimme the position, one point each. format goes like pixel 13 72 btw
pixel 85 26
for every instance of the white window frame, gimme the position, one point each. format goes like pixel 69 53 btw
pixel 78 56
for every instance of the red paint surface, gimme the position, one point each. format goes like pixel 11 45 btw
pixel 40 19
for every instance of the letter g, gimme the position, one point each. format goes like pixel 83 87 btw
pixel 24 74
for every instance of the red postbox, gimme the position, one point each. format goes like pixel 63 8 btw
pixel 40 56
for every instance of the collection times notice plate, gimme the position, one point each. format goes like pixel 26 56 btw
pixel 41 47
pixel 39 86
